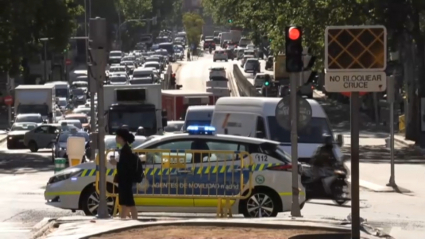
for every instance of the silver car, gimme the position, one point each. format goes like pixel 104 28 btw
pixel 41 137
pixel 220 55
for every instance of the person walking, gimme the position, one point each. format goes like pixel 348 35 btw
pixel 124 177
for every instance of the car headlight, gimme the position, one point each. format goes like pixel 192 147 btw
pixel 65 174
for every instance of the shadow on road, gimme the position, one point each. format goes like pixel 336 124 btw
pixel 17 163
pixel 332 204
pixel 381 154
pixel 339 116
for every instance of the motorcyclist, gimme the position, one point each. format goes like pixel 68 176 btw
pixel 324 161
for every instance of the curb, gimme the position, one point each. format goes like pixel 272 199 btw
pixel 373 187
pixel 41 227
pixel 251 224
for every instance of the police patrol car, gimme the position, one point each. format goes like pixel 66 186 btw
pixel 74 187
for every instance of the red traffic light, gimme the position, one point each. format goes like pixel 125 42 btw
pixel 294 33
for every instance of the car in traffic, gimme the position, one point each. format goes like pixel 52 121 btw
pixel 252 65
pixel 209 43
pixel 33 118
pixel 117 79
pixel 80 117
pixel 143 76
pixel 174 127
pixel 74 188
pixel 220 55
pixel 71 122
pixel 15 137
pixel 41 137
pixel 245 58
pixel 61 142
pixel 218 73
pixel 115 57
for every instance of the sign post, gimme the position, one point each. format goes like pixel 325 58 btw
pixel 355 61
pixel 391 99
pixel 98 60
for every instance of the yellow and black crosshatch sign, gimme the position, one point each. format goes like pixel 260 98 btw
pixel 355 48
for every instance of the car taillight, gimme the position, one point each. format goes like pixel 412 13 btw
pixel 312 87
pixel 225 53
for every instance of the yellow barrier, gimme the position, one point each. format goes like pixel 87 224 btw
pixel 202 178
pixel 401 123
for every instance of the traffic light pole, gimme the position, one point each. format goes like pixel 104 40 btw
pixel 295 209
pixel 98 53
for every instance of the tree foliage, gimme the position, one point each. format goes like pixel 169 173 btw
pixel 193 23
pixel 269 17
pixel 24 22
pixel 404 20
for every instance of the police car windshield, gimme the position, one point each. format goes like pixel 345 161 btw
pixel 311 134
pixel 110 142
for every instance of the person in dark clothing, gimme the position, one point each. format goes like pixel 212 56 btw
pixel 324 156
pixel 125 180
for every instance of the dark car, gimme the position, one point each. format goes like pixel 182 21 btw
pixel 230 54
pixel 209 43
pixel 15 137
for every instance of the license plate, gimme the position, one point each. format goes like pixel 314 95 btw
pixel 21 141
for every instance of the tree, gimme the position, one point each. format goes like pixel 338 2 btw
pixel 193 23
pixel 24 22
pixel 404 21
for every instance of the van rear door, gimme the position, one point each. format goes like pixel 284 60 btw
pixel 234 123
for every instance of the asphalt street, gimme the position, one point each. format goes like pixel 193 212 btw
pixel 24 174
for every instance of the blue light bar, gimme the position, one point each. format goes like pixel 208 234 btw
pixel 200 130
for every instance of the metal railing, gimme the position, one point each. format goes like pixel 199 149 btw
pixel 244 86
pixel 221 176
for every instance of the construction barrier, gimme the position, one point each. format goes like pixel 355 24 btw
pixel 206 178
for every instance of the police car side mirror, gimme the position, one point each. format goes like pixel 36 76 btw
pixel 339 140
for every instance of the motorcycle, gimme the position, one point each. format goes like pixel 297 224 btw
pixel 331 185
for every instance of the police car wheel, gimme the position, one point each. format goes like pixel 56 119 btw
pixel 260 204
pixel 90 202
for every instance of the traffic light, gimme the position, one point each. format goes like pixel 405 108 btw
pixel 230 21
pixel 267 80
pixel 294 49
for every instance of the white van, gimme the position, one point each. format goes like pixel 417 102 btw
pixel 255 117
pixel 61 88
pixel 198 115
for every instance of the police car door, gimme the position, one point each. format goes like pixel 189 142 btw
pixel 165 179
pixel 217 174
